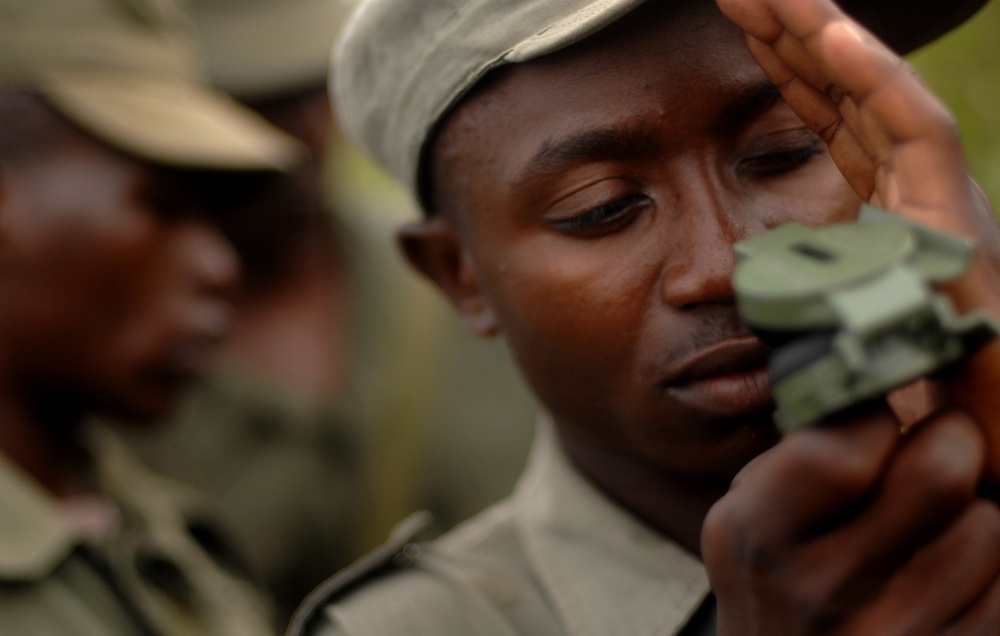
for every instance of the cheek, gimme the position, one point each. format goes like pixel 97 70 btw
pixel 102 284
pixel 818 195
pixel 571 312
pixel 119 272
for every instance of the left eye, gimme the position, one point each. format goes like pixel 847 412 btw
pixel 780 161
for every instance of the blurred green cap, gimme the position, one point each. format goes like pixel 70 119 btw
pixel 129 73
pixel 402 64
pixel 261 48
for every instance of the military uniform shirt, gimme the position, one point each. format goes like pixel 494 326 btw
pixel 144 574
pixel 556 558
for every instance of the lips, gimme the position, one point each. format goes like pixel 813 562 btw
pixel 191 356
pixel 195 346
pixel 725 379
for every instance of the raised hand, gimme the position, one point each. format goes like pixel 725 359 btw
pixel 851 528
pixel 896 144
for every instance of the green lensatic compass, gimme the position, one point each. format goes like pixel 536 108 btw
pixel 851 309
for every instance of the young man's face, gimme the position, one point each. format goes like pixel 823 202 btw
pixel 598 192
pixel 115 286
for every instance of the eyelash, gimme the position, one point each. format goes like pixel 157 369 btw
pixel 774 163
pixel 603 219
pixel 618 213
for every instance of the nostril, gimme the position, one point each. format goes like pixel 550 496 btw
pixel 702 279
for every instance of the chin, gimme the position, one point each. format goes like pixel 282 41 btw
pixel 719 449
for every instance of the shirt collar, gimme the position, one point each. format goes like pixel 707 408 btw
pixel 37 533
pixel 35 536
pixel 644 583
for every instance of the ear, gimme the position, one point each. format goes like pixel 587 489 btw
pixel 434 247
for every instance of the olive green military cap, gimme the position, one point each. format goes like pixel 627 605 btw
pixel 402 64
pixel 128 73
pixel 260 48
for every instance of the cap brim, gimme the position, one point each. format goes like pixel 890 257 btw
pixel 170 121
pixel 258 49
pixel 906 26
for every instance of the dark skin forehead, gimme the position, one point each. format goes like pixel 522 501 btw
pixel 29 127
pixel 623 142
pixel 32 133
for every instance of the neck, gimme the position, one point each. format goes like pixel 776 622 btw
pixel 42 441
pixel 675 505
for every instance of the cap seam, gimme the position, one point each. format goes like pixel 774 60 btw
pixel 576 18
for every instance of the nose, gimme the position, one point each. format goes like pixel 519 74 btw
pixel 699 267
pixel 213 265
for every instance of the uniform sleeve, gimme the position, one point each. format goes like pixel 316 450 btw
pixel 326 627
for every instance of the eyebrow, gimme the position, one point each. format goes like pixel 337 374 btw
pixel 611 143
pixel 745 104
pixel 643 141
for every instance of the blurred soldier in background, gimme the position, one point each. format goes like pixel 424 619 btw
pixel 116 163
pixel 334 411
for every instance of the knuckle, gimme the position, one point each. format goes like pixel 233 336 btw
pixel 843 467
pixel 983 519
pixel 941 479
pixel 719 534
pixel 733 543
pixel 946 464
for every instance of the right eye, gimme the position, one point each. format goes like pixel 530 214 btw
pixel 165 200
pixel 604 219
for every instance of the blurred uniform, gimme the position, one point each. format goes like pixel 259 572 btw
pixel 140 558
pixel 315 472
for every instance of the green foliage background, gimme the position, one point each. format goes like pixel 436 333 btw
pixel 964 70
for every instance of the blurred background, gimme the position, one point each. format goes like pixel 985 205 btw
pixel 963 68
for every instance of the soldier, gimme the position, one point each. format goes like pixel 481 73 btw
pixel 585 169
pixel 268 423
pixel 116 162
pixel 337 376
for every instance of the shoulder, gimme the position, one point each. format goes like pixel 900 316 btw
pixel 461 583
pixel 397 554
pixel 34 535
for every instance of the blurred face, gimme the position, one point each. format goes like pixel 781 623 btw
pixel 304 114
pixel 284 223
pixel 114 283
pixel 597 193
